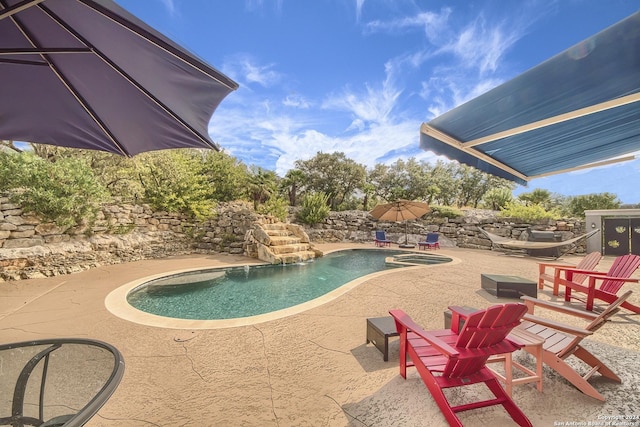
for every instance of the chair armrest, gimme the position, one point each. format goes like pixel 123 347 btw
pixel 463 311
pixel 580 271
pixel 550 264
pixel 622 279
pixel 531 303
pixel 404 319
pixel 562 327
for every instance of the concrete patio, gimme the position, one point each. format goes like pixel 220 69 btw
pixel 312 368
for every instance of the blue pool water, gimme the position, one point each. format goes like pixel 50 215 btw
pixel 232 292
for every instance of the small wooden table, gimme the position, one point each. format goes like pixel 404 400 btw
pixel 534 342
pixel 379 329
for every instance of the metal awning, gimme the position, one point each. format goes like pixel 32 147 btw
pixel 576 110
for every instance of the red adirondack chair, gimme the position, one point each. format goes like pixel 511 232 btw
pixel 610 282
pixel 457 357
pixel 589 262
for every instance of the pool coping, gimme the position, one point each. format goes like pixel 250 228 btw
pixel 116 300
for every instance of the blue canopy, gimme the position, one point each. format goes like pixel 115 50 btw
pixel 576 110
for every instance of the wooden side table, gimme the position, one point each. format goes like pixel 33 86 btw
pixel 379 329
pixel 533 343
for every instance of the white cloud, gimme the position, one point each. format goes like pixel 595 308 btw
pixel 359 4
pixel 433 24
pixel 296 101
pixel 170 6
pixel 246 70
pixel 481 45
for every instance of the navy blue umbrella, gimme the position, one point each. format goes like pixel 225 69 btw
pixel 88 74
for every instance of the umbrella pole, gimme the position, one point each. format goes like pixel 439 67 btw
pixel 406 236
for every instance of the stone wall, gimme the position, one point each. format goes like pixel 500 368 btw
pixel 464 232
pixel 30 248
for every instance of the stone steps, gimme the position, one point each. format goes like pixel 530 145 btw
pixel 279 243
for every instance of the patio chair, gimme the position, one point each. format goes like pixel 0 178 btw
pixel 610 282
pixel 381 239
pixel 563 341
pixel 57 382
pixel 430 242
pixel 589 262
pixel 454 358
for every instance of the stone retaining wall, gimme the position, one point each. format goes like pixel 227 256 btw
pixel 30 248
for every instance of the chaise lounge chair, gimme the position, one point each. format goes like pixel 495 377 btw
pixel 589 262
pixel 381 239
pixel 563 341
pixel 454 358
pixel 431 242
pixel 610 282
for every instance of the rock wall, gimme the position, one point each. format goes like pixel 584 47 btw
pixel 464 232
pixel 30 248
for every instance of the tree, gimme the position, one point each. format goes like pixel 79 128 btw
pixel 579 204
pixel 497 198
pixel 334 175
pixel 226 175
pixel 537 197
pixel 261 186
pixel 292 183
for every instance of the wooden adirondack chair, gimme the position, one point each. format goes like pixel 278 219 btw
pixel 589 262
pixel 563 341
pixel 611 282
pixel 453 358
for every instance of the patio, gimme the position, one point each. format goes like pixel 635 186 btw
pixel 308 369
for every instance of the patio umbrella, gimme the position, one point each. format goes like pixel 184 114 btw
pixel 88 74
pixel 400 210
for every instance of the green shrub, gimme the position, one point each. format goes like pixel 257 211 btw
pixel 65 192
pixel 276 206
pixel 527 213
pixel 173 181
pixel 445 211
pixel 314 208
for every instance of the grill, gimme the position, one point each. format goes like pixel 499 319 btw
pixel 545 236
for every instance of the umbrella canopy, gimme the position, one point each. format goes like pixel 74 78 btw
pixel 400 210
pixel 88 74
pixel 579 109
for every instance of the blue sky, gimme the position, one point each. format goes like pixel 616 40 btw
pixel 360 76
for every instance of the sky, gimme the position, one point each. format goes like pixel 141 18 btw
pixel 361 76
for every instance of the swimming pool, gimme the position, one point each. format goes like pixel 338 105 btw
pixel 243 292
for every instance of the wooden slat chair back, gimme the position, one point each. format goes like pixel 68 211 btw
pixel 610 282
pixel 563 341
pixel 451 358
pixel 623 266
pixel 589 262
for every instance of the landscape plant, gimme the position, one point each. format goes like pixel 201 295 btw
pixel 314 208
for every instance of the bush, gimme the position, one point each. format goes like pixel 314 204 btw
pixel 527 213
pixel 445 211
pixel 65 192
pixel 276 206
pixel 314 208
pixel 173 181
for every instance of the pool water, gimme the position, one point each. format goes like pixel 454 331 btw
pixel 232 292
